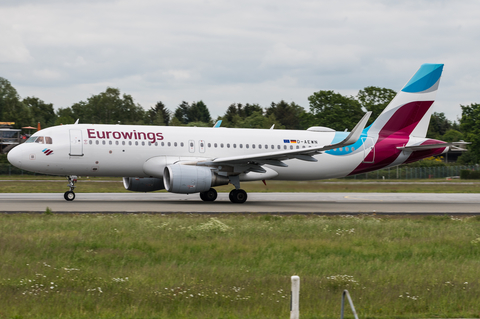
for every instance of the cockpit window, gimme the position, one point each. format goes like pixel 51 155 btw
pixel 31 139
pixel 40 140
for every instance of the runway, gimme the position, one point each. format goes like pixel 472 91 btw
pixel 257 203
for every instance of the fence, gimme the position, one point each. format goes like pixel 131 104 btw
pixel 8 169
pixel 399 172
pixel 402 172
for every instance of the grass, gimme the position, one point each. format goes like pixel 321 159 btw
pixel 54 184
pixel 154 266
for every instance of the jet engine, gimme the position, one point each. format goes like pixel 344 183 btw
pixel 187 179
pixel 143 184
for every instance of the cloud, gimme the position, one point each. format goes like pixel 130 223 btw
pixel 228 51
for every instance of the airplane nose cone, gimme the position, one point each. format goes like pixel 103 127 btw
pixel 15 156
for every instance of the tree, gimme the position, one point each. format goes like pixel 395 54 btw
pixel 11 108
pixel 289 115
pixel 64 116
pixel 375 99
pixel 439 125
pixel 470 125
pixel 333 110
pixel 452 136
pixel 41 112
pixel 197 112
pixel 109 107
pixel 158 115
pixel 259 120
pixel 236 112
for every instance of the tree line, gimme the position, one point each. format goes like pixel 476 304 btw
pixel 326 108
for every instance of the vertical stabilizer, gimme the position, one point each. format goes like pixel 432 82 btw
pixel 408 114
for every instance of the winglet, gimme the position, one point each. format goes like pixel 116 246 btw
pixel 356 132
pixel 219 122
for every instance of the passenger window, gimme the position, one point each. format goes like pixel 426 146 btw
pixel 163 143
pixel 110 142
pixel 156 143
pixel 143 143
pixel 181 144
pixel 103 142
pixel 90 142
pixel 221 145
pixel 136 143
pixel 116 142
pixel 123 142
pixel 253 146
pixel 291 147
pixel 278 146
pixel 284 147
pixel 130 143
pixel 246 146
pixel 169 144
pixel 215 145
pixel 273 147
pixel 175 144
pixel 234 145
pixel 209 145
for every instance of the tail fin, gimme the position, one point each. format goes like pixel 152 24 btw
pixel 409 112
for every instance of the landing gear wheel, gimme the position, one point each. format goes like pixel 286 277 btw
pixel 238 196
pixel 209 196
pixel 69 196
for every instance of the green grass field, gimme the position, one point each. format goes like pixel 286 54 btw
pixel 52 184
pixel 233 266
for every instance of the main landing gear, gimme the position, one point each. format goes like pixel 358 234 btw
pixel 237 195
pixel 209 196
pixel 70 195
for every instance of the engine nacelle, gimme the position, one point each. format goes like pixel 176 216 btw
pixel 143 184
pixel 187 179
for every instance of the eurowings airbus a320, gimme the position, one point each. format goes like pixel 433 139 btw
pixel 195 159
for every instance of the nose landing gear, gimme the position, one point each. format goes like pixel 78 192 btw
pixel 70 195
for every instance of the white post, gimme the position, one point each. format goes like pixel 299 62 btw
pixel 295 298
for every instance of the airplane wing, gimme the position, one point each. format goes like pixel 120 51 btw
pixel 276 158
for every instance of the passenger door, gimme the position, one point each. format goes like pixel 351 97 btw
pixel 76 146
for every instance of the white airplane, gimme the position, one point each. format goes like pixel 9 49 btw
pixel 195 159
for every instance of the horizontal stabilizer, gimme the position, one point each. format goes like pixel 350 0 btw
pixel 433 146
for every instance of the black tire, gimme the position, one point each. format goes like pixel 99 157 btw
pixel 210 195
pixel 238 196
pixel 69 196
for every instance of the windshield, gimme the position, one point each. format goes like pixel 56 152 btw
pixel 40 140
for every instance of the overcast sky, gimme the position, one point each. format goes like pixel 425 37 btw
pixel 246 51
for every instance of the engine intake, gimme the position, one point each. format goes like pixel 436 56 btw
pixel 143 184
pixel 187 179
